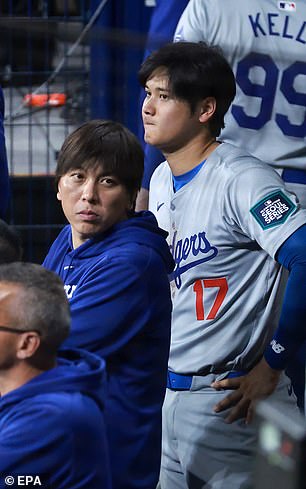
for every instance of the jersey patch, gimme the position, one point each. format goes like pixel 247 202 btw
pixel 288 6
pixel 273 210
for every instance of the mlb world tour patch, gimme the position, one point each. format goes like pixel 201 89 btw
pixel 273 210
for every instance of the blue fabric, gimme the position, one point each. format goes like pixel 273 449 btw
pixel 182 382
pixel 178 382
pixel 180 180
pixel 120 302
pixel 296 372
pixel 114 63
pixel 293 175
pixel 291 332
pixel 237 373
pixel 53 426
pixel 152 158
pixel 4 176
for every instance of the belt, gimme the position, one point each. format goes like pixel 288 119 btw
pixel 181 382
pixel 293 175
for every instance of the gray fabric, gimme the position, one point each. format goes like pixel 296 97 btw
pixel 217 242
pixel 199 449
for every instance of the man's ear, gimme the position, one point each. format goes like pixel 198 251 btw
pixel 28 344
pixel 207 109
pixel 58 193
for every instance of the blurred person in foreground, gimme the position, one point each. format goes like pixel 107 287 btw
pixel 51 406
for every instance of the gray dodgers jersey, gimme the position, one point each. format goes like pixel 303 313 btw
pixel 225 227
pixel 265 43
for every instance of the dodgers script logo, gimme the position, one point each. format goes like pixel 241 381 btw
pixel 186 248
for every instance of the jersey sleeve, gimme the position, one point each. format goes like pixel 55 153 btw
pixel 159 197
pixel 192 25
pixel 291 332
pixel 258 204
pixel 154 191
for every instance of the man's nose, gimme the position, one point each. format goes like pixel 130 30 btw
pixel 148 106
pixel 90 190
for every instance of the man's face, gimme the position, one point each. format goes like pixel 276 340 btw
pixel 168 122
pixel 92 202
pixel 9 306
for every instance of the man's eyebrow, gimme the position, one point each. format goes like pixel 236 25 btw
pixel 160 89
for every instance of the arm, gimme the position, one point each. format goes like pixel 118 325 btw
pixel 261 381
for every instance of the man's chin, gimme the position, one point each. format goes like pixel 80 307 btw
pixel 153 141
pixel 88 233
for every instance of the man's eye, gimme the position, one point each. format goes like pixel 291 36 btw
pixel 77 176
pixel 108 181
pixel 164 96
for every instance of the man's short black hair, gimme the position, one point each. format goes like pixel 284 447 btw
pixel 104 143
pixel 195 71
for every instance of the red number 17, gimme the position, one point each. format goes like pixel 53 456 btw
pixel 199 286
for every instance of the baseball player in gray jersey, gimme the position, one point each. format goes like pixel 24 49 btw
pixel 232 223
pixel 264 42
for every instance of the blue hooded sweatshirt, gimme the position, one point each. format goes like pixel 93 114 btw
pixel 53 427
pixel 118 287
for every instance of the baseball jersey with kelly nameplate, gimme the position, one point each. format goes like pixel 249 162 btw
pixel 265 43
pixel 225 227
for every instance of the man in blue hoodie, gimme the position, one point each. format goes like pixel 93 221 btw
pixel 114 264
pixel 52 431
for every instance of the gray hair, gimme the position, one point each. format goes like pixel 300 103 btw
pixel 42 303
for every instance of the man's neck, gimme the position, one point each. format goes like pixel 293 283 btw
pixel 11 379
pixel 185 159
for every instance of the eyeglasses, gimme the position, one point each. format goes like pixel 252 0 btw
pixel 18 331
